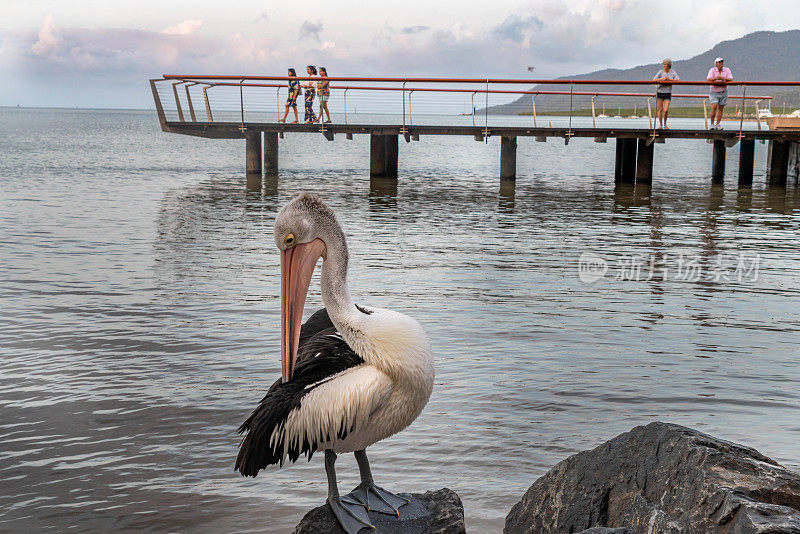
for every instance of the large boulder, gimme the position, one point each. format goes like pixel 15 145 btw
pixel 663 479
pixel 435 512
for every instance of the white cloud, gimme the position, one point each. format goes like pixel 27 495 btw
pixel 48 37
pixel 187 27
pixel 558 37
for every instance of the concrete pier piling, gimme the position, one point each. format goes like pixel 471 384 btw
pixel 644 164
pixel 383 154
pixel 718 162
pixel 778 163
pixel 628 170
pixel 253 152
pixel 746 154
pixel 508 158
pixel 270 152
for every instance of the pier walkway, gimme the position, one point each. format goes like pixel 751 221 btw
pixel 634 146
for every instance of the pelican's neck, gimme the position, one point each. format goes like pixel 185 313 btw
pixel 335 293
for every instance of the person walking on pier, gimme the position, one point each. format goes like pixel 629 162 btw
pixel 310 92
pixel 324 92
pixel 719 93
pixel 291 101
pixel 664 91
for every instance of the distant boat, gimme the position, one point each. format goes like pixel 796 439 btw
pixel 632 117
pixel 603 114
pixel 788 122
pixel 764 113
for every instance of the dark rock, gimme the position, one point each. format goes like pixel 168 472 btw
pixel 436 512
pixel 663 479
pixel 606 530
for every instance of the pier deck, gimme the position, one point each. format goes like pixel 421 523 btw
pixel 234 130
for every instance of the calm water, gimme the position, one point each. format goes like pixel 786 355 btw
pixel 140 315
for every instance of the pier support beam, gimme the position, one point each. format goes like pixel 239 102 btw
pixel 718 162
pixel 270 152
pixel 383 152
pixel 508 158
pixel 644 164
pixel 618 161
pixel 253 152
pixel 778 163
pixel 628 163
pixel 747 149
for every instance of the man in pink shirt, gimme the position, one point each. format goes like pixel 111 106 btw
pixel 719 93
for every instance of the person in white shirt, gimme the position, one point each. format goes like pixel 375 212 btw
pixel 664 91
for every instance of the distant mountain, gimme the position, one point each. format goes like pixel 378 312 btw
pixel 757 56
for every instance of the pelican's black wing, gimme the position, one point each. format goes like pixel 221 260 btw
pixel 322 355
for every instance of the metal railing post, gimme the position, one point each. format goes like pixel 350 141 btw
pixel 594 120
pixel 569 132
pixel 241 100
pixel 162 119
pixel 744 103
pixel 208 106
pixel 533 103
pixel 278 100
pixel 472 101
pixel 650 116
pixel 705 113
pixel 410 118
pixel 345 106
pixel 189 99
pixel 177 100
pixel 404 106
pixel 758 117
pixel 486 114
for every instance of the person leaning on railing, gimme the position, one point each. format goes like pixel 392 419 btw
pixel 664 91
pixel 719 93
pixel 324 92
pixel 291 101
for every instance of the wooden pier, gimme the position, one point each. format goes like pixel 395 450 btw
pixel 634 155
pixel 635 148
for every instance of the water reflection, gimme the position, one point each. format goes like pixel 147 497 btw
pixel 508 191
pixel 382 193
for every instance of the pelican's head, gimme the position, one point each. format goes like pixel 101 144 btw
pixel 303 229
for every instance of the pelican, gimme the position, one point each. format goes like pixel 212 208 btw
pixel 350 376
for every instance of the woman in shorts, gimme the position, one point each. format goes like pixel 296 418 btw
pixel 664 91
pixel 291 101
pixel 324 92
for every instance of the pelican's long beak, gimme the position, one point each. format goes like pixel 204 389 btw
pixel 297 266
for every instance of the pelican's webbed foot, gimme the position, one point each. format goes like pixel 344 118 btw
pixel 352 516
pixel 375 499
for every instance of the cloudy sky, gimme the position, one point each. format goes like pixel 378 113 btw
pixel 100 53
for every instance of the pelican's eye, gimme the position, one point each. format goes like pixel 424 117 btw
pixel 289 240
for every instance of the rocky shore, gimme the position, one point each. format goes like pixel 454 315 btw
pixel 662 479
pixel 656 479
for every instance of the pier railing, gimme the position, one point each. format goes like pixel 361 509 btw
pixel 467 101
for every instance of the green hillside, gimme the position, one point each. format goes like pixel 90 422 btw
pixel 762 55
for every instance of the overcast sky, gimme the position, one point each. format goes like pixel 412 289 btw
pixel 100 54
